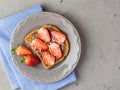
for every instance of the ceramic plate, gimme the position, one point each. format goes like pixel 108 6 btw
pixel 59 71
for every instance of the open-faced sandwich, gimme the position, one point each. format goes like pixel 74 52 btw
pixel 49 43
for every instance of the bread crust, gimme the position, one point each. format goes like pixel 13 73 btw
pixel 28 40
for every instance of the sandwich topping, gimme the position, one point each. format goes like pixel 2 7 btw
pixel 49 42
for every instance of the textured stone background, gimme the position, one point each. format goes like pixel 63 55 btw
pixel 98 23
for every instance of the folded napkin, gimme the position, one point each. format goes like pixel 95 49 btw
pixel 16 79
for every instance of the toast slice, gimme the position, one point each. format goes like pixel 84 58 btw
pixel 28 39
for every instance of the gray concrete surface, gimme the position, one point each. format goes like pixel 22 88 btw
pixel 98 23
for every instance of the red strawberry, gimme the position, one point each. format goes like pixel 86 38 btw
pixel 58 36
pixel 30 60
pixel 44 34
pixel 55 50
pixel 38 44
pixel 47 58
pixel 21 50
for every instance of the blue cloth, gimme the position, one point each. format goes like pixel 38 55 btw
pixel 15 78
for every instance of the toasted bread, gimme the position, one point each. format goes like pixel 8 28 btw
pixel 28 40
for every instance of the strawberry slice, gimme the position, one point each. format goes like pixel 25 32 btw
pixel 55 50
pixel 21 50
pixel 30 60
pixel 48 58
pixel 44 34
pixel 38 44
pixel 58 36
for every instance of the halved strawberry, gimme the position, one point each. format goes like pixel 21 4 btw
pixel 38 44
pixel 30 60
pixel 55 50
pixel 48 58
pixel 21 50
pixel 58 36
pixel 44 34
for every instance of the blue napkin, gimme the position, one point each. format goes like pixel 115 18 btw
pixel 16 79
